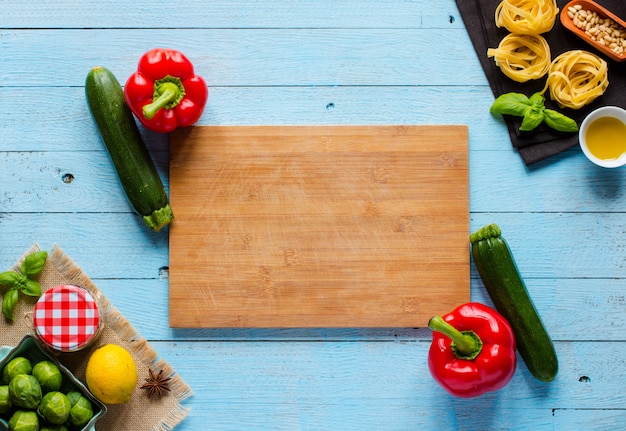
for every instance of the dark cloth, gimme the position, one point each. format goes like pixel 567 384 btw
pixel 543 142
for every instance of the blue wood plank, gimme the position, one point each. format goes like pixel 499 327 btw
pixel 589 419
pixel 68 181
pixel 391 390
pixel 134 251
pixel 592 248
pixel 72 129
pixel 227 14
pixel 250 57
pixel 77 180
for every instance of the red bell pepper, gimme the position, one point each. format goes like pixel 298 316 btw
pixel 473 350
pixel 165 93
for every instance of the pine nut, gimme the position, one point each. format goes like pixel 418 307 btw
pixel 605 31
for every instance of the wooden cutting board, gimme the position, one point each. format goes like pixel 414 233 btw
pixel 318 226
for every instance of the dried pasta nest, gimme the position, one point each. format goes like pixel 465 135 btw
pixel 527 16
pixel 522 57
pixel 576 78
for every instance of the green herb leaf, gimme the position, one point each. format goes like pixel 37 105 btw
pixel 560 122
pixel 510 104
pixel 30 288
pixel 34 263
pixel 20 282
pixel 533 117
pixel 9 278
pixel 533 111
pixel 8 303
pixel 537 100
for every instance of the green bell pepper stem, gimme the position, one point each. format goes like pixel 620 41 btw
pixel 465 345
pixel 168 92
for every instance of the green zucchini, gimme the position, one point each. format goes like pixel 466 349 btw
pixel 504 284
pixel 136 170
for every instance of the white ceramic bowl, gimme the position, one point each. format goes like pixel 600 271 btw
pixel 605 111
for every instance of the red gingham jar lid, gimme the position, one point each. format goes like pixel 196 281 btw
pixel 66 318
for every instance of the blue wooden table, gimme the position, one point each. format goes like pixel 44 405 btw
pixel 312 62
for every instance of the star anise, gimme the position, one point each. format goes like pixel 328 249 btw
pixel 156 384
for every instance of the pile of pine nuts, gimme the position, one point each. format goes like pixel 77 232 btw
pixel 605 31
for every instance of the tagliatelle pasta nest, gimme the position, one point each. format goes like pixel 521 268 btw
pixel 522 57
pixel 576 78
pixel 527 16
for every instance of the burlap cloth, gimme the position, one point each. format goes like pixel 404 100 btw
pixel 141 412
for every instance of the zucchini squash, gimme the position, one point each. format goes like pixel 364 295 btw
pixel 504 284
pixel 120 134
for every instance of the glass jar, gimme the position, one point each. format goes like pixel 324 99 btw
pixel 67 318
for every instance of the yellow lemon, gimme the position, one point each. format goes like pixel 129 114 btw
pixel 111 374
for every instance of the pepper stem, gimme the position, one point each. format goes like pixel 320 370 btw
pixel 465 345
pixel 168 92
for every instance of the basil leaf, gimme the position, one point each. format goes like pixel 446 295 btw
pixel 510 104
pixel 34 263
pixel 537 100
pixel 533 117
pixel 560 122
pixel 21 281
pixel 30 288
pixel 9 278
pixel 8 303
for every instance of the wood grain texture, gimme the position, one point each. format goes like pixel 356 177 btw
pixel 534 239
pixel 318 226
pixel 555 299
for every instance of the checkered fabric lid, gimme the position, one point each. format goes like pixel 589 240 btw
pixel 66 318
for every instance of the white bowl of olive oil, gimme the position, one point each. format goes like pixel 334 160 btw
pixel 602 136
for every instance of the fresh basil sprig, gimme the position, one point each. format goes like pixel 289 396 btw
pixel 22 281
pixel 533 112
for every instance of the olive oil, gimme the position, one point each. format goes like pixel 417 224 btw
pixel 606 138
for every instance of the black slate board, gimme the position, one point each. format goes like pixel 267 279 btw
pixel 479 19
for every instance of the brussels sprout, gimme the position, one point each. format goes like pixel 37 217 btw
pixel 15 366
pixel 25 391
pixel 53 428
pixel 81 411
pixel 54 407
pixel 24 421
pixel 5 400
pixel 48 375
pixel 73 396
